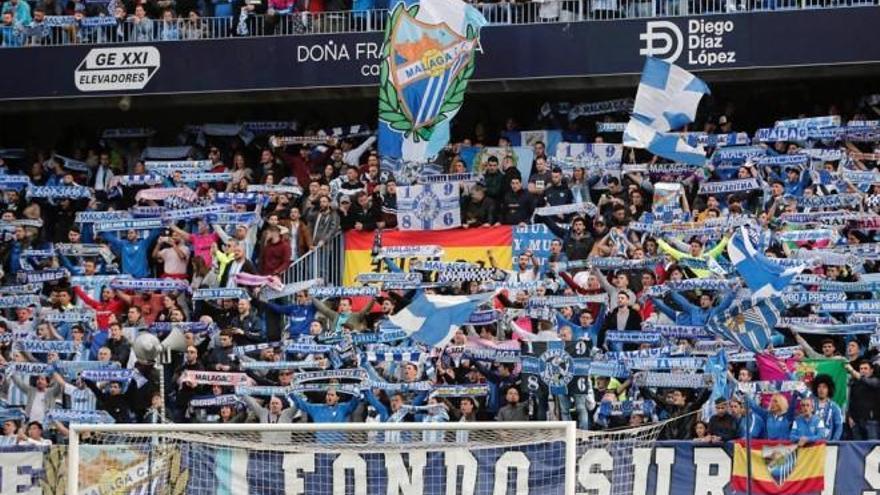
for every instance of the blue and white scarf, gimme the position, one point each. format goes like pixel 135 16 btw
pixel 343 374
pixel 59 192
pixel 205 176
pixel 21 289
pixel 32 277
pixel 563 301
pixel 38 253
pixel 410 252
pixel 237 218
pixel 80 417
pixel 401 387
pixel 452 391
pixel 849 306
pixel 140 180
pixel 381 353
pixel 104 375
pixel 670 380
pixel 19 301
pixel 690 363
pixel 28 369
pixel 268 293
pixel 635 337
pixel 438 178
pixel 125 225
pixel 442 266
pixel 610 126
pixel 408 277
pixel 604 368
pixel 46 346
pixel 126 132
pixel 184 326
pixel 14 181
pixel 197 212
pixel 168 168
pixel 644 353
pixel 147 284
pixel 342 388
pixel 489 355
pixel 626 408
pixel 278 365
pixel 729 186
pixel 833 201
pixel 382 337
pixel 101 216
pixel 622 105
pixel 588 209
pixel 215 401
pixel 262 391
pixel 221 293
pixel 304 348
pixel 246 198
pixel 268 126
pixel 275 189
pixel 71 164
pixel 678 331
pixel 70 316
pixel 806 235
pixel 80 250
pixel 802 298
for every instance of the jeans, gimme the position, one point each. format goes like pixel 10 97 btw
pixel 580 406
pixel 865 429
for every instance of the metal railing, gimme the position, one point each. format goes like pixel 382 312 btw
pixel 325 262
pixel 68 30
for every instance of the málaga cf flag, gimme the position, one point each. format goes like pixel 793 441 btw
pixel 428 60
pixel 779 467
pixel 667 100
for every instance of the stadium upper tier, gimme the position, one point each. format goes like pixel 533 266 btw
pixel 37 27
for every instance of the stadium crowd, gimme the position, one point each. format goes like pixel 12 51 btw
pixel 80 290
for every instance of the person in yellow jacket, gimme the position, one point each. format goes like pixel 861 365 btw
pixel 695 252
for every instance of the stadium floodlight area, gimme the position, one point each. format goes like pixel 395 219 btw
pixel 545 458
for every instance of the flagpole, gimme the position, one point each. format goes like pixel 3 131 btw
pixel 748 449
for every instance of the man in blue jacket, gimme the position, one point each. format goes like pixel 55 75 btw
pixel 134 252
pixel 807 427
pixel 826 409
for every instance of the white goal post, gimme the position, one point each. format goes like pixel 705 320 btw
pixel 449 458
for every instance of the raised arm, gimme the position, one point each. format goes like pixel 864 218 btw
pixel 719 249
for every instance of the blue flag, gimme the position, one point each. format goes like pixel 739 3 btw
pixel 763 277
pixel 667 99
pixel 749 325
pixel 432 319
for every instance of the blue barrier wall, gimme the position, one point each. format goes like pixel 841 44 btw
pixel 584 49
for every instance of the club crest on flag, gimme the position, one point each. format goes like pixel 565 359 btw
pixel 780 461
pixel 426 73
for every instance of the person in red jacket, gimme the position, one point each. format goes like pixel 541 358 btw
pixel 110 304
pixel 275 253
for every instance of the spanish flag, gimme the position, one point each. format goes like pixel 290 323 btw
pixel 779 467
pixel 458 245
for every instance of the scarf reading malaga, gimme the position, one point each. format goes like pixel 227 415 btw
pixel 46 346
pixel 425 251
pixel 19 301
pixel 81 417
pixel 59 192
pixel 107 375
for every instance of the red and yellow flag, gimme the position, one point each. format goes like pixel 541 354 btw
pixel 779 467
pixel 458 245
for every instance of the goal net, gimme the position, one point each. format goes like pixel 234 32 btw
pixel 323 459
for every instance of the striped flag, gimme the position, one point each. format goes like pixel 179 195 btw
pixel 750 324
pixel 778 467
